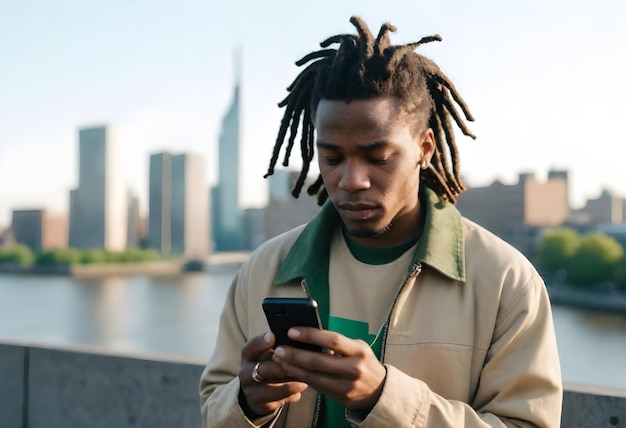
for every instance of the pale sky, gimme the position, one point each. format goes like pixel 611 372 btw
pixel 545 80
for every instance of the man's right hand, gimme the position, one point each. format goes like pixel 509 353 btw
pixel 276 389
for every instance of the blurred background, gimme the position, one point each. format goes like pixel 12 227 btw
pixel 134 136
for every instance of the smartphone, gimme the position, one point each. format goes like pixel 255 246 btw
pixel 282 313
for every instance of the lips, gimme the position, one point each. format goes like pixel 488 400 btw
pixel 357 211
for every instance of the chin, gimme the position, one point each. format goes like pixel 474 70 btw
pixel 362 232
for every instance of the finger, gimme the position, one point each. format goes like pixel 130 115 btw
pixel 270 372
pixel 258 346
pixel 263 399
pixel 275 392
pixel 335 343
pixel 294 361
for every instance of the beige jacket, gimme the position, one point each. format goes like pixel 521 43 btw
pixel 470 341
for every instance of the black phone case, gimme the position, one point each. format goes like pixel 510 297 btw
pixel 282 313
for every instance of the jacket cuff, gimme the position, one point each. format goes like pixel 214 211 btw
pixel 231 414
pixel 402 403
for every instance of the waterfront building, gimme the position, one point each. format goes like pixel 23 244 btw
pixel 518 213
pixel 55 231
pixel 226 216
pixel 98 205
pixel 284 212
pixel 159 202
pixel 39 230
pixel 178 205
pixel 6 238
pixel 134 230
pixel 28 228
pixel 253 219
pixel 608 208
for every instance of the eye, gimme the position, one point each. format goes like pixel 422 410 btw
pixel 378 161
pixel 332 161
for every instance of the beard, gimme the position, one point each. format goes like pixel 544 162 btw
pixel 368 233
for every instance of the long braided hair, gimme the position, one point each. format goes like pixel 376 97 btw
pixel 363 68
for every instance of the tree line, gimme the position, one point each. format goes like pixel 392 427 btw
pixel 589 259
pixel 24 256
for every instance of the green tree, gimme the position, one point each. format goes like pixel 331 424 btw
pixel 135 255
pixel 17 254
pixel 595 260
pixel 556 247
pixel 93 256
pixel 59 256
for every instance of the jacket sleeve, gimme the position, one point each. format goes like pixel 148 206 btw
pixel 520 383
pixel 219 384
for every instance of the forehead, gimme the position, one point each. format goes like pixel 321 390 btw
pixel 376 113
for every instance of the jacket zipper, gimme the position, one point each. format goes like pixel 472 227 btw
pixel 318 400
pixel 416 269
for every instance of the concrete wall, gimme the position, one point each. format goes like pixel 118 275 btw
pixel 72 389
pixel 41 387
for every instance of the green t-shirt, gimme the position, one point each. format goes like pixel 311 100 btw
pixel 334 413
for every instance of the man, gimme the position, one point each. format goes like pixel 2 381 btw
pixel 430 321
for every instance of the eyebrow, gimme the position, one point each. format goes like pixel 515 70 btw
pixel 365 147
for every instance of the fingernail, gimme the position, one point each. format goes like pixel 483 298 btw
pixel 293 333
pixel 267 337
pixel 279 352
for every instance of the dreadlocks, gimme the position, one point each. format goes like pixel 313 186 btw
pixel 363 68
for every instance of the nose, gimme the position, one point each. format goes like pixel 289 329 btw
pixel 354 177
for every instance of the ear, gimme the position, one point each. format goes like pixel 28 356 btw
pixel 427 145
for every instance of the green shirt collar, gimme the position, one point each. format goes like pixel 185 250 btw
pixel 441 245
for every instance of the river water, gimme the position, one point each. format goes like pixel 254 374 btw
pixel 179 315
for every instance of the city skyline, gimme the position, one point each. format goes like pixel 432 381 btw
pixel 529 73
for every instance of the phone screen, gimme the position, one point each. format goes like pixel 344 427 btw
pixel 282 313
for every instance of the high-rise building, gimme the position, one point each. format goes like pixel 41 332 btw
pixel 98 212
pixel 178 205
pixel 159 203
pixel 226 214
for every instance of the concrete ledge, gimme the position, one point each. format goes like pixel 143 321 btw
pixel 86 390
pixel 75 389
pixel 12 363
pixel 80 387
pixel 587 407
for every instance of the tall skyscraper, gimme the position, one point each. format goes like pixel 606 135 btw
pixel 178 205
pixel 98 205
pixel 159 203
pixel 227 217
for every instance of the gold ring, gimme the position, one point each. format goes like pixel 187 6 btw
pixel 255 374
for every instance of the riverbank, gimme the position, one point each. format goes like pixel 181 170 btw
pixel 155 268
pixel 611 301
pixel 152 268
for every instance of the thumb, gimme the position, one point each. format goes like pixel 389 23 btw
pixel 258 346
